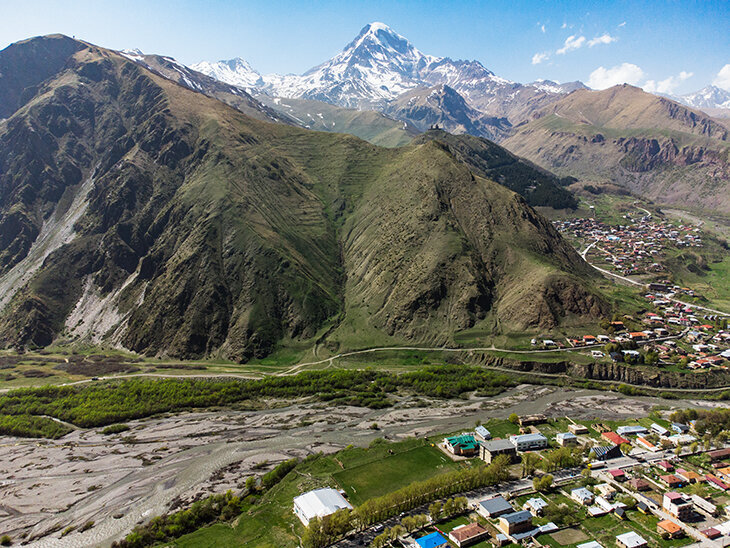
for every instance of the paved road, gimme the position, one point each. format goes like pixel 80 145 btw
pixel 634 282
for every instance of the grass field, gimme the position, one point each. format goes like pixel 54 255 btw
pixel 380 477
pixel 373 471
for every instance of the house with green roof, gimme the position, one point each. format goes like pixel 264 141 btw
pixel 464 445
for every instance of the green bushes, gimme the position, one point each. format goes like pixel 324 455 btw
pixel 115 429
pixel 162 529
pixel 103 404
pixel 24 426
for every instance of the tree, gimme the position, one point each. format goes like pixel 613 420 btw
pixel 626 448
pixel 542 484
pixel 529 463
pixel 513 418
pixel 434 510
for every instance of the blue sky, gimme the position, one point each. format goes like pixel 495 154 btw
pixel 671 46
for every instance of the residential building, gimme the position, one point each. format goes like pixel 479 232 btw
pixel 703 504
pixel 639 484
pixel 434 540
pixel 711 533
pixel 646 444
pixel 669 529
pixel 582 496
pixel 690 476
pixel 482 433
pixel 631 540
pixel 632 430
pixel 516 522
pixel 577 429
pixel 676 505
pixel 535 506
pixel 494 507
pixel 463 445
pixel 591 544
pixel 659 429
pixel 528 442
pixel 617 474
pixel 665 465
pixel 672 481
pixel 466 535
pixel 680 428
pixel 614 438
pixel 716 482
pixel 719 454
pixel 566 438
pixel 606 452
pixel 606 490
pixel 528 420
pixel 490 449
pixel 319 503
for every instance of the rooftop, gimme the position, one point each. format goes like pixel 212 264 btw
pixel 631 539
pixel 517 517
pixel 431 541
pixel 321 502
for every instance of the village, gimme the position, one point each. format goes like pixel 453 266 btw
pixel 633 484
pixel 671 332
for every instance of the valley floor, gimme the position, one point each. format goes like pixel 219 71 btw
pixel 118 480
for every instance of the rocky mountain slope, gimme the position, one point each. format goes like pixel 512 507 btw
pixel 156 218
pixel 442 106
pixel 650 144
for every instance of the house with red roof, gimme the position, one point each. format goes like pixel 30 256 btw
pixel 614 438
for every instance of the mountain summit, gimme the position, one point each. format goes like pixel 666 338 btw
pixel 378 66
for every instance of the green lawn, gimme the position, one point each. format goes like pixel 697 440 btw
pixel 383 476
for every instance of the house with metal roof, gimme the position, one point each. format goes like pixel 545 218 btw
pixel 319 503
pixel 482 433
pixel 606 452
pixel 527 442
pixel 434 540
pixel 591 544
pixel 631 540
pixel 535 506
pixel 494 507
pixel 463 445
pixel 490 449
pixel 515 523
pixel 659 429
pixel 566 438
pixel 582 495
pixel 631 430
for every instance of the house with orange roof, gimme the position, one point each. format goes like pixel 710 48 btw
pixel 669 528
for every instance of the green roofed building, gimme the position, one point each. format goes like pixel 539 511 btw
pixel 464 445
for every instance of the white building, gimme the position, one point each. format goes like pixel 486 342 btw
pixel 526 442
pixel 319 503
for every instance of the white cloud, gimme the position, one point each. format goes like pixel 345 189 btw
pixel 542 28
pixel 603 39
pixel 539 58
pixel 667 85
pixel 625 73
pixel 564 25
pixel 622 24
pixel 571 43
pixel 722 80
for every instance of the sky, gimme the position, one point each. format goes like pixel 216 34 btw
pixel 668 46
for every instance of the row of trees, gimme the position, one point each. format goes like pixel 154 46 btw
pixel 325 531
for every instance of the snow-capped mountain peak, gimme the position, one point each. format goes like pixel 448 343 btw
pixel 708 97
pixel 236 72
pixel 375 68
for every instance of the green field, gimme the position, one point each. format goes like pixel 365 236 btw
pixel 380 477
